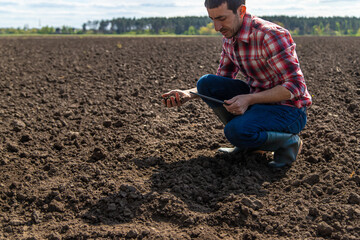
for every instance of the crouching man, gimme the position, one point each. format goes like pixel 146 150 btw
pixel 266 109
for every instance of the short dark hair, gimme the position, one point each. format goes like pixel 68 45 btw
pixel 232 4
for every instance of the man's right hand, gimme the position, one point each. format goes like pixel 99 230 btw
pixel 175 98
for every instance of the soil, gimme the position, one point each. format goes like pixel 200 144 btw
pixel 87 151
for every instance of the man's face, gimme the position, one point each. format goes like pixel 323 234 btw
pixel 225 21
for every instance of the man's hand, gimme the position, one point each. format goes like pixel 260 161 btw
pixel 238 104
pixel 175 98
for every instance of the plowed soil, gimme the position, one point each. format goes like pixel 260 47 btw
pixel 87 151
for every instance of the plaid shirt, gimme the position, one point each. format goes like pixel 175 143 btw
pixel 265 54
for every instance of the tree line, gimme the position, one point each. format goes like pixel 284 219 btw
pixel 337 26
pixel 333 26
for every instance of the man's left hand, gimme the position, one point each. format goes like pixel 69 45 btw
pixel 238 104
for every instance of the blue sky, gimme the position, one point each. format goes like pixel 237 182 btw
pixel 39 13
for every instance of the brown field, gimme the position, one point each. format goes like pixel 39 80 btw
pixel 87 151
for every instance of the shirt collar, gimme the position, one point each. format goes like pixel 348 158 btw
pixel 245 30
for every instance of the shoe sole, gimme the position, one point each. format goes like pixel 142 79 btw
pixel 229 150
pixel 300 147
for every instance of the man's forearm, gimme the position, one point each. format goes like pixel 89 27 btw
pixel 273 95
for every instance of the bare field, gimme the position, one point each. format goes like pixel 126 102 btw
pixel 88 152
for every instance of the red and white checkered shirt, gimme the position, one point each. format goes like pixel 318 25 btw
pixel 265 54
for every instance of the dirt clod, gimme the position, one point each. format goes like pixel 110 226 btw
pixel 18 125
pixel 354 198
pixel 12 147
pixel 324 229
pixel 97 154
pixel 312 179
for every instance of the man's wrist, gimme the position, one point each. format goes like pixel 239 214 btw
pixel 251 99
pixel 192 96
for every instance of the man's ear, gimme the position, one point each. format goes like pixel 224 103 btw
pixel 241 10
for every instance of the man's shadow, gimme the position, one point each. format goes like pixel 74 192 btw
pixel 198 186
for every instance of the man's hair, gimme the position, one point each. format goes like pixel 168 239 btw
pixel 232 4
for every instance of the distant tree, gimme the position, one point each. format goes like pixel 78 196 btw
pixel 67 30
pixel 208 29
pixel 47 30
pixel 358 32
pixel 191 31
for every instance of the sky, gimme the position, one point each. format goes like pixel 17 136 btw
pixel 73 13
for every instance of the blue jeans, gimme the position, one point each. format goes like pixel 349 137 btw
pixel 250 129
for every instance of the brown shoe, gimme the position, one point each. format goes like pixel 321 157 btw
pixel 262 152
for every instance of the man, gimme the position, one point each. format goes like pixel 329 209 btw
pixel 267 109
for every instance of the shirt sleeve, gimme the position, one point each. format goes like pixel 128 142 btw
pixel 227 68
pixel 280 51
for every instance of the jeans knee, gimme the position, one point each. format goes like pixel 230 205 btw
pixel 203 83
pixel 241 137
pixel 234 134
pixel 298 124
